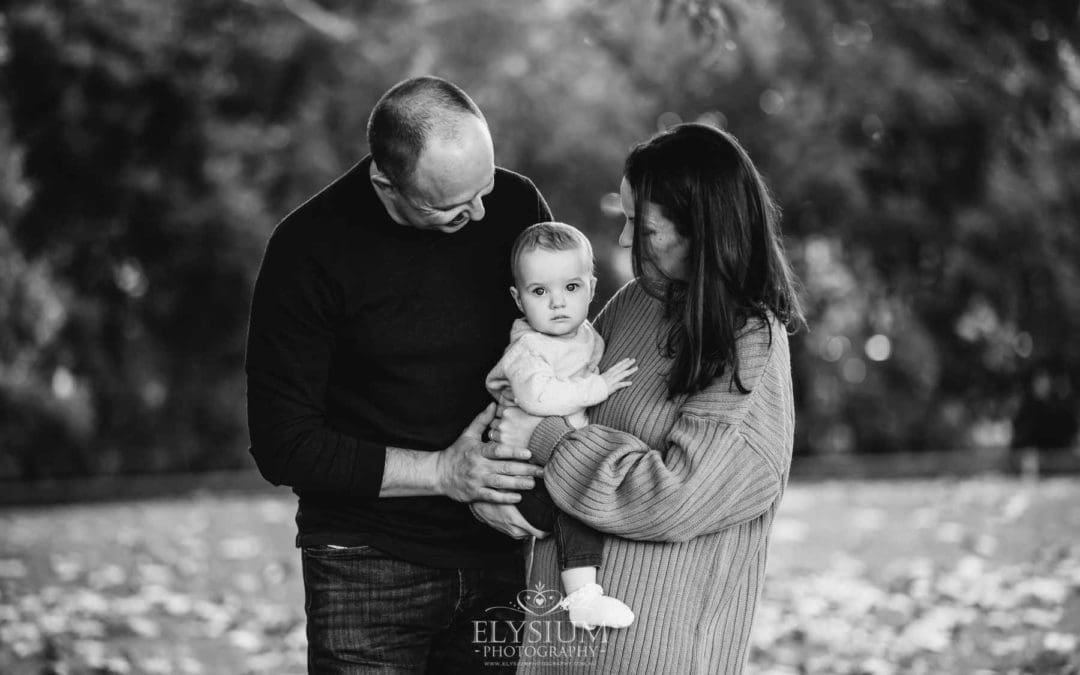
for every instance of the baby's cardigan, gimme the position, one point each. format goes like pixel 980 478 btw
pixel 551 375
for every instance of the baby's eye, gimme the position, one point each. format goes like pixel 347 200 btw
pixel 538 291
pixel 573 286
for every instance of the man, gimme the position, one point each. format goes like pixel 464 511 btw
pixel 380 306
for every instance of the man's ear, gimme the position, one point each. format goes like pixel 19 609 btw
pixel 380 179
pixel 517 298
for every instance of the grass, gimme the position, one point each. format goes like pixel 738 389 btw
pixel 977 575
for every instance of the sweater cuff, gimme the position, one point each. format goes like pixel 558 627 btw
pixel 368 467
pixel 546 436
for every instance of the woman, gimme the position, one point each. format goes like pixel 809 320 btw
pixel 687 466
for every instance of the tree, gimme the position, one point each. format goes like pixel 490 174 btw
pixel 924 154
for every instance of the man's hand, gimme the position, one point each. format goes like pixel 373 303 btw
pixel 513 427
pixel 505 518
pixel 471 470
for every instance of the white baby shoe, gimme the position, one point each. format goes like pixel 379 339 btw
pixel 590 608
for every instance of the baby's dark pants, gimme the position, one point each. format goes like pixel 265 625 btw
pixel 578 545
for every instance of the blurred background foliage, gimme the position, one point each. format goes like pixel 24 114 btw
pixel 926 155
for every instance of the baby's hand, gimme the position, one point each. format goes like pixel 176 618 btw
pixel 617 375
pixel 506 398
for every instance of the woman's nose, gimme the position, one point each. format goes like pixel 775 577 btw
pixel 626 237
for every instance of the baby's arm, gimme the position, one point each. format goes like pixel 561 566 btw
pixel 538 391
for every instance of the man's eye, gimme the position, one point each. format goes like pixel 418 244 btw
pixel 460 219
pixel 572 287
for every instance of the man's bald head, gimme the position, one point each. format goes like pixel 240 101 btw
pixel 410 114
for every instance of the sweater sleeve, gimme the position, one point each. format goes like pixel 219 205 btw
pixel 709 478
pixel 713 471
pixel 290 341
pixel 538 391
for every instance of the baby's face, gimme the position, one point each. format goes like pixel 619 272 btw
pixel 554 289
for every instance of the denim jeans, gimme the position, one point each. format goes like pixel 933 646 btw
pixel 578 545
pixel 369 612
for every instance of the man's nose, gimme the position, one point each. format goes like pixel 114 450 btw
pixel 476 209
pixel 626 237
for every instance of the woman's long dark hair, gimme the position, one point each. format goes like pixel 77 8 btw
pixel 704 182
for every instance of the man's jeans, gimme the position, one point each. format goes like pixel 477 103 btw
pixel 371 612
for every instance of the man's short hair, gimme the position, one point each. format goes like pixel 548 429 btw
pixel 407 115
pixel 550 236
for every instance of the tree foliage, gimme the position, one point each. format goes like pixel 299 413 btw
pixel 925 155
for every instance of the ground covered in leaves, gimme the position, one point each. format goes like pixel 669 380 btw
pixel 973 576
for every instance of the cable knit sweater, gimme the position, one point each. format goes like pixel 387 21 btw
pixel 687 487
pixel 551 375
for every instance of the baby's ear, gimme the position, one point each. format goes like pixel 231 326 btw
pixel 592 288
pixel 516 297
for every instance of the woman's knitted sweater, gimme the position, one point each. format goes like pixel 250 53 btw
pixel 688 487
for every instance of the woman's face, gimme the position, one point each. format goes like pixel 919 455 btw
pixel 665 249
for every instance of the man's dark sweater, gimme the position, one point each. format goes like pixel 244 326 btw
pixel 366 334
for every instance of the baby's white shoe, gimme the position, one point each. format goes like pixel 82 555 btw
pixel 589 608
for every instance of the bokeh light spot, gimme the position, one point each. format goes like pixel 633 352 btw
pixel 713 118
pixel 864 34
pixel 835 348
pixel 130 279
pixel 611 204
pixel 1024 345
pixel 854 371
pixel 872 126
pixel 771 101
pixel 878 348
pixel 63 383
pixel 667 120
pixel 842 34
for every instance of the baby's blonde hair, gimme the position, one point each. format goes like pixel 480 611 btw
pixel 550 236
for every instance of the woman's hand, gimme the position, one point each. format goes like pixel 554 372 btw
pixel 513 426
pixel 505 518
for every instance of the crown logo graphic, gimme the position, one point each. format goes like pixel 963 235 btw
pixel 538 601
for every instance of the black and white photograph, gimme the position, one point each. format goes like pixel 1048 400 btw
pixel 565 337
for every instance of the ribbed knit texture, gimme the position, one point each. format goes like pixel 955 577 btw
pixel 690 487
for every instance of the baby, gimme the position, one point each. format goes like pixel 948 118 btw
pixel 550 368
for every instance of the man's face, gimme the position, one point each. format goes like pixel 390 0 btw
pixel 554 289
pixel 452 177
